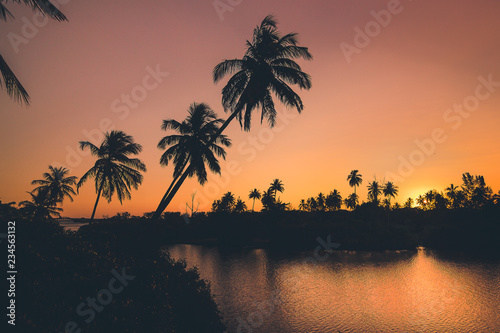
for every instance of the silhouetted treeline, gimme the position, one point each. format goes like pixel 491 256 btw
pixel 59 271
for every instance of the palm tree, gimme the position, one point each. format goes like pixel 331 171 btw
pixel 422 201
pixel 254 194
pixel 240 206
pixel 227 202
pixel 320 199
pixel 267 66
pixel 452 194
pixel 114 171
pixel 333 200
pixel 191 148
pixel 267 199
pixel 277 186
pixel 354 179
pixel 13 86
pixel 374 191
pixel 387 203
pixel 41 206
pixel 408 203
pixel 351 201
pixel 390 190
pixel 312 204
pixel 303 205
pixel 56 184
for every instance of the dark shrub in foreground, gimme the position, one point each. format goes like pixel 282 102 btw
pixel 59 272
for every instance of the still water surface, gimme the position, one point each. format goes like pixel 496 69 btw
pixel 261 290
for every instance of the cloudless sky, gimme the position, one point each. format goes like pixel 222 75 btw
pixel 365 111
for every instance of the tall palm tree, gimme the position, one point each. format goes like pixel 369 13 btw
pixel 191 148
pixel 254 194
pixel 390 190
pixel 374 190
pixel 267 67
pixel 13 86
pixel 354 179
pixel 41 206
pixel 56 184
pixel 277 186
pixel 114 171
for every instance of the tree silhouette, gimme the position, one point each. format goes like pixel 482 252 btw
pixel 240 206
pixel 56 184
pixel 114 171
pixel 352 201
pixel 333 200
pixel 312 204
pixel 303 205
pixel 374 190
pixel 277 186
pixel 267 67
pixel 191 149
pixel 254 194
pixel 354 179
pixel 320 200
pixel 13 86
pixel 390 190
pixel 408 203
pixel 41 206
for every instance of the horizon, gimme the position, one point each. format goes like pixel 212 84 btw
pixel 414 101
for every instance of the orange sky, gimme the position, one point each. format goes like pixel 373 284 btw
pixel 366 113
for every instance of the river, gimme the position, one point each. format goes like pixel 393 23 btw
pixel 261 290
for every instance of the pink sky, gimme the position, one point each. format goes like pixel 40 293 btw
pixel 366 113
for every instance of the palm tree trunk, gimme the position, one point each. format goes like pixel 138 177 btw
pixel 253 205
pixel 168 196
pixel 97 201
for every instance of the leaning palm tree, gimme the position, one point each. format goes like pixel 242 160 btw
pixel 114 171
pixel 354 179
pixel 254 194
pixel 191 148
pixel 13 86
pixel 277 186
pixel 267 68
pixel 374 190
pixel 41 206
pixel 390 190
pixel 56 184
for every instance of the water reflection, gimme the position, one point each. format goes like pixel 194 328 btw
pixel 271 291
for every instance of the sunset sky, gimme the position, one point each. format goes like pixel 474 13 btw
pixel 415 100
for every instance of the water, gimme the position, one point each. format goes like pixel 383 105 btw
pixel 274 291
